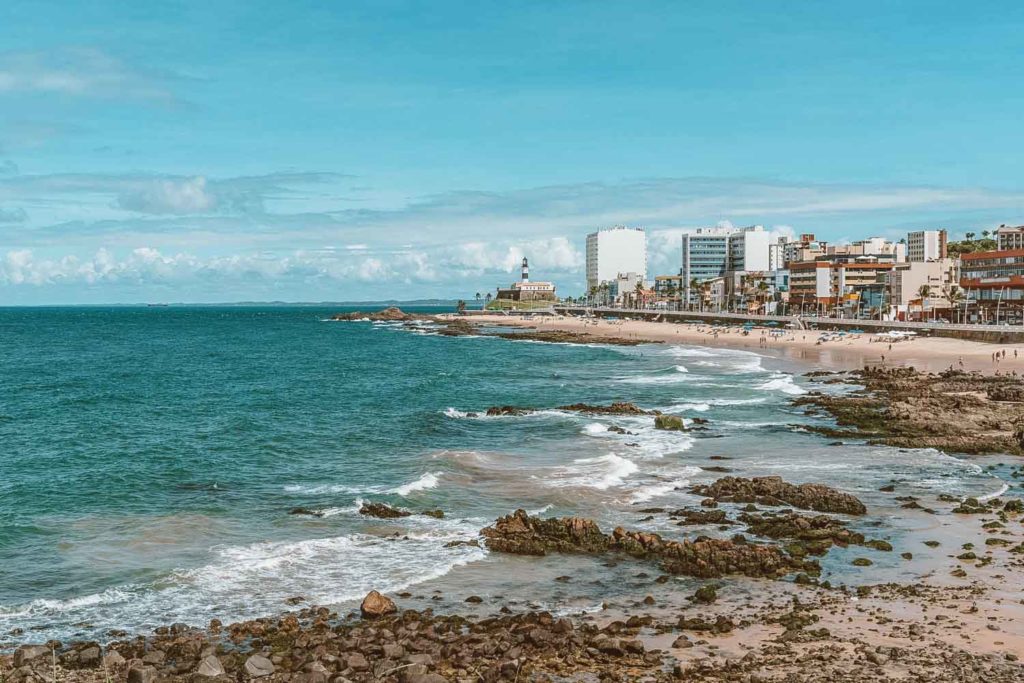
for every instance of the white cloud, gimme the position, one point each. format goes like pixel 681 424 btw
pixel 79 72
pixel 175 196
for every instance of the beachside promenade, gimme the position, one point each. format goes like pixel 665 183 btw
pixel 986 333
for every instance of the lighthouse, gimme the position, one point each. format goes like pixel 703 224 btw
pixel 526 271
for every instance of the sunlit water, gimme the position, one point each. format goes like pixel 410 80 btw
pixel 149 458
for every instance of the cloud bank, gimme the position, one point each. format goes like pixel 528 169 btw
pixel 310 236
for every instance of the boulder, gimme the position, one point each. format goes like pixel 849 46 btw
pixel 142 674
pixel 27 654
pixel 210 667
pixel 258 666
pixel 376 605
pixel 670 423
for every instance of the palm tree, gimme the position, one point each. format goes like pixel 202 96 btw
pixel 694 287
pixel 460 307
pixel 639 290
pixel 969 236
pixel 985 234
pixel 955 296
pixel 762 290
pixel 488 297
pixel 924 292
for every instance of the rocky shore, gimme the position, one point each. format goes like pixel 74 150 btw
pixel 953 411
pixel 737 631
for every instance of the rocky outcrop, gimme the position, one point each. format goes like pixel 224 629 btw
pixel 617 408
pixel 500 411
pixel 522 534
pixel 382 511
pixel 952 411
pixel 814 534
pixel 775 491
pixel 389 314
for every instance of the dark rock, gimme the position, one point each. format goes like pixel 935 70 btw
pixel 775 491
pixel 382 511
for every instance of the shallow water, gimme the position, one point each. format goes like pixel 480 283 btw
pixel 149 458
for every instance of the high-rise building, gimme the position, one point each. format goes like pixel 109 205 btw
pixel 710 253
pixel 614 251
pixel 926 245
pixel 748 250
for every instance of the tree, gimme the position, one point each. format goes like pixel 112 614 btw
pixel 694 287
pixel 924 291
pixel 460 307
pixel 985 234
pixel 478 297
pixel 488 297
pixel 639 290
pixel 969 236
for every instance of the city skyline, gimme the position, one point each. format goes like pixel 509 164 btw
pixel 252 151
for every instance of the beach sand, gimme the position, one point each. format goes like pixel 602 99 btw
pixel 932 354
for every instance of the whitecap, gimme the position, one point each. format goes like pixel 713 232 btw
pixel 781 382
pixel 602 472
pixel 989 496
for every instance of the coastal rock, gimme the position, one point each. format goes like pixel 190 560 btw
pixel 210 667
pixel 306 511
pixel 519 533
pixel 696 517
pixel 617 408
pixel 389 314
pixel 27 654
pixel 670 423
pixel 382 511
pixel 258 666
pixel 142 674
pixel 953 411
pixel 775 491
pixel 816 533
pixel 375 605
pixel 499 411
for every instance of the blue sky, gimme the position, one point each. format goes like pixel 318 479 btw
pixel 306 151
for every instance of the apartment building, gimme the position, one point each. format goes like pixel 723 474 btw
pixel 614 251
pixel 1010 238
pixel 926 245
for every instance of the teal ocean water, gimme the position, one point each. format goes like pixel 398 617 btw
pixel 149 458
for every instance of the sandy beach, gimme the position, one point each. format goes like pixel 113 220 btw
pixel 851 351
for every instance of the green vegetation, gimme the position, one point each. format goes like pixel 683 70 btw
pixel 971 245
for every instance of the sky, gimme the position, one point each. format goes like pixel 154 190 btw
pixel 367 150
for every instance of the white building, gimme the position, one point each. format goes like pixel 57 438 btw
pixel 926 245
pixel 748 250
pixel 1010 237
pixel 613 251
pixel 712 252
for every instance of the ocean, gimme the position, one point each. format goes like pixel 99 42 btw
pixel 150 457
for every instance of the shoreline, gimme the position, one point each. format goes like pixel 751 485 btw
pixel 947 627
pixel 932 354
pixel 959 621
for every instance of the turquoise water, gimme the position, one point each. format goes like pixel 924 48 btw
pixel 149 457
